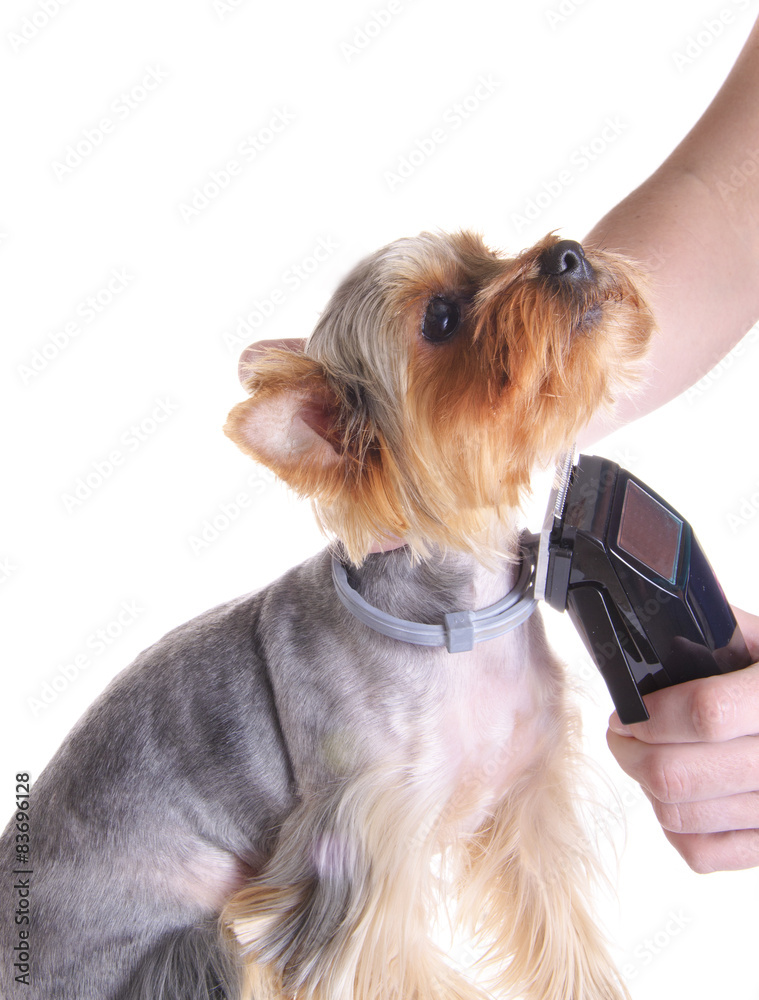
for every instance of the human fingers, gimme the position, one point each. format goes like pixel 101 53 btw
pixel 734 850
pixel 677 773
pixel 706 710
pixel 749 626
pixel 718 815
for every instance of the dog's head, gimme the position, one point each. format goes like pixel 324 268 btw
pixel 438 376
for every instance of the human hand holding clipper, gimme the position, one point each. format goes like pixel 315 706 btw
pixel 697 760
pixel 629 570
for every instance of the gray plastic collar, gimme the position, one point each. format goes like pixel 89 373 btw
pixel 460 629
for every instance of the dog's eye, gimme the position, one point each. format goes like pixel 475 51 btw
pixel 441 320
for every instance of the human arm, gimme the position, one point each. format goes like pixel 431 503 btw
pixel 694 226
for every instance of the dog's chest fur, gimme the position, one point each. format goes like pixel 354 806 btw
pixel 464 724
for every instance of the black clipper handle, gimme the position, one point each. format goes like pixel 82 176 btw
pixel 637 586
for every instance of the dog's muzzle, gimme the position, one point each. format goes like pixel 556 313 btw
pixel 565 260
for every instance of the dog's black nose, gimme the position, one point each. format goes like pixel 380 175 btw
pixel 565 259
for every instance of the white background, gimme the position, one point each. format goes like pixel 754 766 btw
pixel 162 341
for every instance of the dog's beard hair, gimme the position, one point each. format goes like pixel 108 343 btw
pixel 343 910
pixel 535 868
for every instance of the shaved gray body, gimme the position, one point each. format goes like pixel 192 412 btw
pixel 192 759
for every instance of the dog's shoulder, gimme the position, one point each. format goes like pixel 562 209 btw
pixel 198 704
pixel 227 643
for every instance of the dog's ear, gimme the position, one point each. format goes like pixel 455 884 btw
pixel 260 348
pixel 290 422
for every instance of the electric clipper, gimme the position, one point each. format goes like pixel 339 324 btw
pixel 636 584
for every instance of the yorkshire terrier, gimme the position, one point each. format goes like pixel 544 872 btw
pixel 277 801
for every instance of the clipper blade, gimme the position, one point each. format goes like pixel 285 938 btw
pixel 554 514
pixel 561 482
